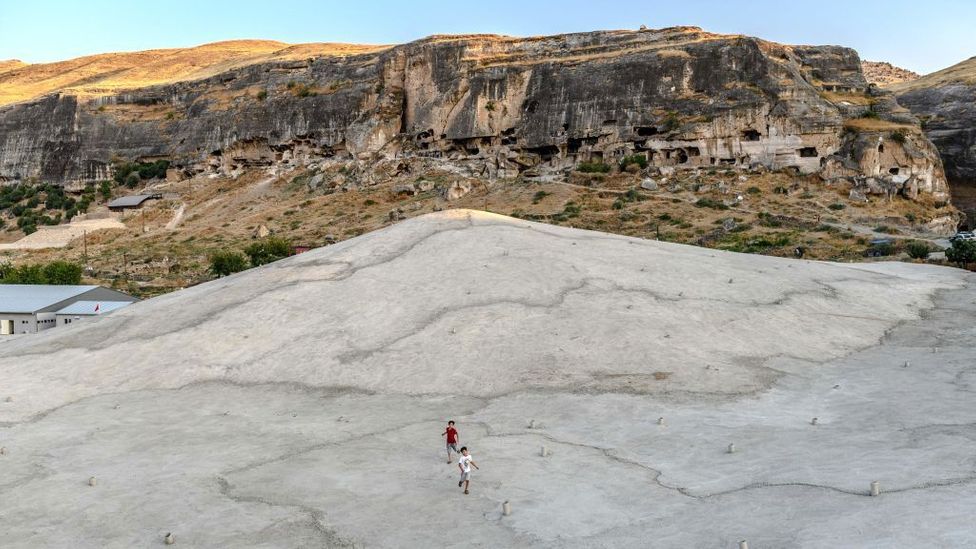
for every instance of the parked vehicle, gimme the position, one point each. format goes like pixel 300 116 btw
pixel 964 235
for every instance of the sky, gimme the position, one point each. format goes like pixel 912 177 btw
pixel 923 36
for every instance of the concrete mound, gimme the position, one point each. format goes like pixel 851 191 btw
pixel 300 404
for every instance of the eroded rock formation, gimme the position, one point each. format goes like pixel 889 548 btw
pixel 500 107
pixel 945 101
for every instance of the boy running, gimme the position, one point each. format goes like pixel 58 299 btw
pixel 464 464
pixel 452 439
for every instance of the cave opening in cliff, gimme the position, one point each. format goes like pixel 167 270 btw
pixel 893 171
pixel 881 147
pixel 645 131
pixel 546 152
pixel 751 135
pixel 693 151
pixel 808 152
pixel 682 156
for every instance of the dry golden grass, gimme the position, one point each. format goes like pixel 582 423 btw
pixel 852 98
pixel 963 73
pixel 111 72
pixel 876 125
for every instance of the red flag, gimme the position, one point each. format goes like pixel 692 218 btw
pixel 96 307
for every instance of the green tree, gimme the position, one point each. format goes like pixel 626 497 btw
pixel 226 262
pixel 55 272
pixel 962 252
pixel 268 250
pixel 62 272
pixel 106 189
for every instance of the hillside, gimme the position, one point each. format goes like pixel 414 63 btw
pixel 252 410
pixel 111 73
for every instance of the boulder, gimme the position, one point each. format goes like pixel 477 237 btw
pixel 404 190
pixel 457 190
pixel 649 185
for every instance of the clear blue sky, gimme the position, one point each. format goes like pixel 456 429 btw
pixel 920 35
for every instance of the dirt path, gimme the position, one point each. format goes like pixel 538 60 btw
pixel 58 236
pixel 177 217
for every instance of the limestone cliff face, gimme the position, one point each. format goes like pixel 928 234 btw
pixel 500 107
pixel 946 103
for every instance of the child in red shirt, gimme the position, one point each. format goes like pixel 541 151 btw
pixel 452 439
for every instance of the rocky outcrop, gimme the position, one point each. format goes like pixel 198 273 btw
pixel 883 73
pixel 945 101
pixel 499 107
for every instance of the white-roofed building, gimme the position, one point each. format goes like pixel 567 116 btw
pixel 83 309
pixel 30 308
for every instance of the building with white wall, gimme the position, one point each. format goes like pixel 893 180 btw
pixel 85 309
pixel 31 308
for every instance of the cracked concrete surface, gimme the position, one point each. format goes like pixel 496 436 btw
pixel 300 404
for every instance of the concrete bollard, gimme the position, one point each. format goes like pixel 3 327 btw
pixel 743 544
pixel 169 539
pixel 907 364
pixel 92 481
pixel 814 421
pixel 545 452
pixel 660 421
pixel 506 508
pixel 3 451
pixel 9 399
pixel 875 488
pixel 531 424
pixel 731 448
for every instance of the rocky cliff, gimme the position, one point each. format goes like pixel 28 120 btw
pixel 945 101
pixel 499 107
pixel 884 73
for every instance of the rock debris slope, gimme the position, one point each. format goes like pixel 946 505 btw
pixel 300 404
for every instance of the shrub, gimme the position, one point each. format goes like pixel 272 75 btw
pixel 671 122
pixel 962 252
pixel 226 262
pixel 538 196
pixel 898 136
pixel 593 167
pixel 105 188
pixel 262 95
pixel 917 250
pixel 836 206
pixel 639 159
pixel 885 229
pixel 710 203
pixel 490 105
pixel 268 250
pixel 870 113
pixel 754 190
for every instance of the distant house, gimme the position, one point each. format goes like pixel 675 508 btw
pixel 132 202
pixel 31 308
pixel 83 309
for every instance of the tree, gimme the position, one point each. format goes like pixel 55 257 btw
pixel 62 272
pixel 227 262
pixel 268 250
pixel 962 252
pixel 55 272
